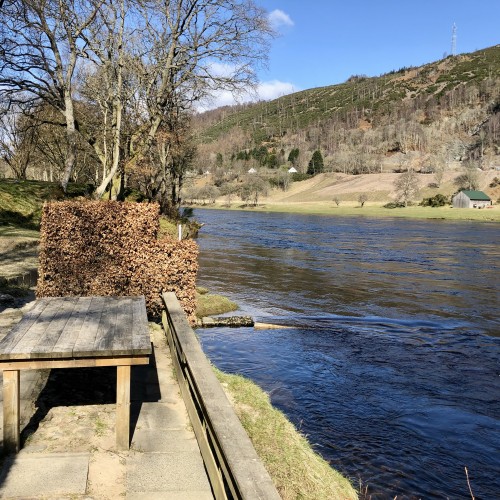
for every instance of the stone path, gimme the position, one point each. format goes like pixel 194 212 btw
pixel 68 449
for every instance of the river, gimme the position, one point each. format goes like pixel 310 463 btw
pixel 391 367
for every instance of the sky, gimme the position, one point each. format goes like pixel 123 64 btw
pixel 324 42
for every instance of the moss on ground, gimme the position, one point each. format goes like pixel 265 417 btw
pixel 208 304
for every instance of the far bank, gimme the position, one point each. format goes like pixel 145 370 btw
pixel 368 210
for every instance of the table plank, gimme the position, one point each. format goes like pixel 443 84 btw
pixel 57 328
pixel 121 343
pixel 23 347
pixel 84 345
pixel 74 328
pixel 106 329
pixel 21 328
pixel 141 342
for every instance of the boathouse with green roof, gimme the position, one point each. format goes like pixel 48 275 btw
pixel 471 199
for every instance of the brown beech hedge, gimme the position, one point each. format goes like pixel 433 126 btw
pixel 111 248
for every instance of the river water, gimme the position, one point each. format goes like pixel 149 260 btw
pixel 392 365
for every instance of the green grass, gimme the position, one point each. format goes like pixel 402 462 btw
pixel 13 290
pixel 21 201
pixel 378 211
pixel 168 228
pixel 18 232
pixel 296 470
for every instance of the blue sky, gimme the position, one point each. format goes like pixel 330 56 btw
pixel 323 42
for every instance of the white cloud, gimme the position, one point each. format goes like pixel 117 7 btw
pixel 222 69
pixel 266 91
pixel 278 18
pixel 274 89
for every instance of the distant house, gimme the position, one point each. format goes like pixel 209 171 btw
pixel 292 170
pixel 471 199
pixel 252 171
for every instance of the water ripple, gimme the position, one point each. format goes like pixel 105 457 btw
pixel 391 366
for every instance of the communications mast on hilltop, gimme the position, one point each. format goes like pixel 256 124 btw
pixel 454 40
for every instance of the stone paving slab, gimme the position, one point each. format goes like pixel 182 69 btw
pixel 35 475
pixel 156 441
pixel 171 495
pixel 162 416
pixel 166 472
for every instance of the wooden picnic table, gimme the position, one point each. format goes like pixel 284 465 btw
pixel 75 332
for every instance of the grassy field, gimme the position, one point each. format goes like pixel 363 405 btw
pixel 297 471
pixel 21 201
pixel 372 210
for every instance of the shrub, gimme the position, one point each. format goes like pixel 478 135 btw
pixel 439 200
pixel 297 177
pixel 394 204
pixel 495 182
pixel 111 248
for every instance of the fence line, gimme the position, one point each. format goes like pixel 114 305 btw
pixel 234 469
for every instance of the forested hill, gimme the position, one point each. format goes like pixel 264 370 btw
pixel 445 111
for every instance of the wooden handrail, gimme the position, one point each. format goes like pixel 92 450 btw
pixel 233 466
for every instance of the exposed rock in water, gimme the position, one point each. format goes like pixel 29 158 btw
pixel 232 321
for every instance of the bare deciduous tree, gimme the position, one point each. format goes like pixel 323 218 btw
pixel 18 141
pixel 192 49
pixel 469 178
pixel 41 44
pixel 163 56
pixel 439 174
pixel 252 188
pixel 407 186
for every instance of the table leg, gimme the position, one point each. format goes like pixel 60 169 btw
pixel 123 407
pixel 11 431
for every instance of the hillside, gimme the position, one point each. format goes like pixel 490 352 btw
pixel 443 112
pixel 378 188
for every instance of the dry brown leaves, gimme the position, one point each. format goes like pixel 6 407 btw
pixel 111 248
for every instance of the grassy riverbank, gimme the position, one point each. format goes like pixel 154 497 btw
pixel 373 210
pixel 297 471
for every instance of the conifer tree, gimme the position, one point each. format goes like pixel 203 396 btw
pixel 316 164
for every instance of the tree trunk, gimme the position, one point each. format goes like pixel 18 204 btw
pixel 69 162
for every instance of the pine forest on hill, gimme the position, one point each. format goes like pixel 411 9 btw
pixel 440 117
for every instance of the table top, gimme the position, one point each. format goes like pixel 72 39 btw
pixel 76 327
